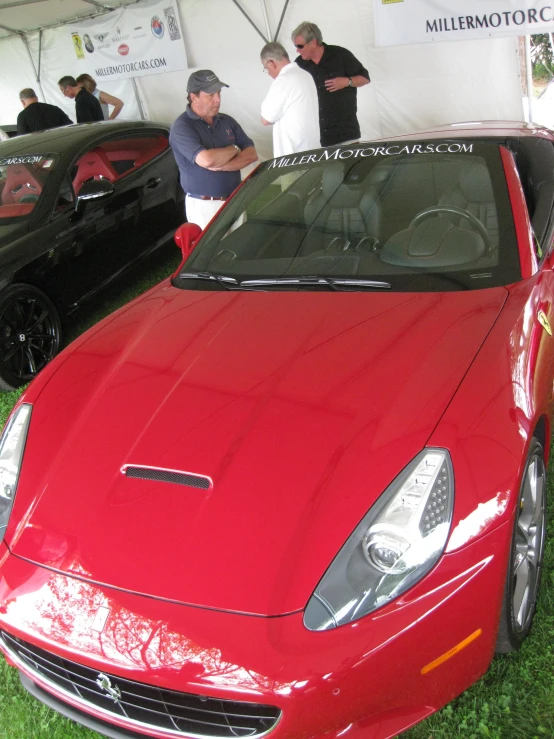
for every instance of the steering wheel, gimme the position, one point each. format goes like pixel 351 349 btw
pixel 473 220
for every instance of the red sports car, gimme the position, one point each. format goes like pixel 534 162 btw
pixel 298 490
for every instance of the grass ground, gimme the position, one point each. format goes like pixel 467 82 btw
pixel 514 700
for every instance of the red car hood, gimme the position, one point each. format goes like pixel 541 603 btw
pixel 299 408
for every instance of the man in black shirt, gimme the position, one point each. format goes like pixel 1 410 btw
pixel 87 107
pixel 37 116
pixel 335 70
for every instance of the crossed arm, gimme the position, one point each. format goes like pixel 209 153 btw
pixel 226 159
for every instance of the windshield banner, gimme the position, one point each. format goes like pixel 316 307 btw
pixel 135 41
pixel 425 21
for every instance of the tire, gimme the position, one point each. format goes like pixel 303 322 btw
pixel 30 334
pixel 526 555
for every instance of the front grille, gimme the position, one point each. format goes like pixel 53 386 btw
pixel 144 705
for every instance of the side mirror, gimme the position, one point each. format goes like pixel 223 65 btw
pixel 94 190
pixel 186 237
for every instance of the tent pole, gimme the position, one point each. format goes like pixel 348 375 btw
pixel 37 76
pixel 250 21
pixel 266 19
pixel 139 101
pixel 281 20
pixel 529 77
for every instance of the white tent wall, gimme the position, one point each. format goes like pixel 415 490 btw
pixel 412 87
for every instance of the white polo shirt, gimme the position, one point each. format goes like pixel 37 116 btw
pixel 292 106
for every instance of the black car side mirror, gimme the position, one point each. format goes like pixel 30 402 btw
pixel 186 237
pixel 94 190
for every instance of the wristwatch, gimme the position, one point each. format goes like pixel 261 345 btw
pixel 350 83
pixel 237 148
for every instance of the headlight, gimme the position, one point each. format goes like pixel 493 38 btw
pixel 12 444
pixel 399 540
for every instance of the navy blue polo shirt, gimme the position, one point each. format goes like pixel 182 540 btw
pixel 189 136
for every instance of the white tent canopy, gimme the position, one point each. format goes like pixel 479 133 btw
pixel 412 87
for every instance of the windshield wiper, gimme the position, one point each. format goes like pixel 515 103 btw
pixel 335 283
pixel 228 282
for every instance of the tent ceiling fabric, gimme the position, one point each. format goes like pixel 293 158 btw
pixel 25 16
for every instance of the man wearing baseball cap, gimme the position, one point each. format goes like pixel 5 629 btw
pixel 210 148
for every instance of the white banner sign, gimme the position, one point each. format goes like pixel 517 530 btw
pixel 133 42
pixel 424 21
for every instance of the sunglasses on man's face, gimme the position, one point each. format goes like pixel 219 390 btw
pixel 301 46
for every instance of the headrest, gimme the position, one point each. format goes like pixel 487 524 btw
pixel 475 184
pixel 433 243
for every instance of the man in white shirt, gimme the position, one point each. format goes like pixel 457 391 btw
pixel 291 105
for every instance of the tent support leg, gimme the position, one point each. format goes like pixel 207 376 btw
pixel 529 76
pixel 37 75
pixel 139 101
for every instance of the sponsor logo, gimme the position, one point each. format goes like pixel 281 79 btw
pixel 100 36
pixel 89 46
pixel 138 28
pixel 172 25
pixel 157 27
pixel 123 49
pixel 78 46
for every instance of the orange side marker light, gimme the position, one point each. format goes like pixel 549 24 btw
pixel 451 652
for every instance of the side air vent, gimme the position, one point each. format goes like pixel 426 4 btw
pixel 160 475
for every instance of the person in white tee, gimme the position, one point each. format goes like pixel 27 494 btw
pixel 291 105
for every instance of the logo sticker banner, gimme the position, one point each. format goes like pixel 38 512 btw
pixel 428 21
pixel 135 41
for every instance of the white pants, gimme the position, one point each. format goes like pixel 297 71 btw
pixel 201 211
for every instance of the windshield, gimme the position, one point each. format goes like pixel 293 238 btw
pixel 22 181
pixel 418 216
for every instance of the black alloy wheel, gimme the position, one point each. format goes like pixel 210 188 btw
pixel 526 555
pixel 30 334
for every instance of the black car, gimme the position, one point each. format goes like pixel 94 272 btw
pixel 78 206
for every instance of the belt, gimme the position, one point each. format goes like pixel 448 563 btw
pixel 204 197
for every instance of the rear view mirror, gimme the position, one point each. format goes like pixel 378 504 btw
pixel 186 237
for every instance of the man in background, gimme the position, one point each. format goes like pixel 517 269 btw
pixel 37 116
pixel 210 148
pixel 337 75
pixel 87 107
pixel 291 105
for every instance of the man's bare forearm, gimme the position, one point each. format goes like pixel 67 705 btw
pixel 246 157
pixel 216 158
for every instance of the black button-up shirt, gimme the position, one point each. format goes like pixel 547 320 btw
pixel 337 110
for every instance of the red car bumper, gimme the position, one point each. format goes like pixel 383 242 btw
pixel 370 680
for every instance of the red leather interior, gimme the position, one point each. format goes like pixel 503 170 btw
pixel 21 184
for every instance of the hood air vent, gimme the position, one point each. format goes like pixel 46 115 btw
pixel 161 475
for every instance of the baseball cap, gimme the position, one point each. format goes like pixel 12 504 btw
pixel 204 81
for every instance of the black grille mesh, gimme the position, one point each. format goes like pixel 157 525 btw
pixel 158 708
pixel 180 478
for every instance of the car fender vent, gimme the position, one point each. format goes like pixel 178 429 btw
pixel 159 474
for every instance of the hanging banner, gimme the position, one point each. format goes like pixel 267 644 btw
pixel 425 21
pixel 132 42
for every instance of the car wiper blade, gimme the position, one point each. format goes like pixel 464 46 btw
pixel 335 283
pixel 228 282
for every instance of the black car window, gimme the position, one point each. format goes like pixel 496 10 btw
pixel 116 158
pixel 421 216
pixel 23 180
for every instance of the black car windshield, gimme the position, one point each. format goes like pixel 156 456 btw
pixel 419 216
pixel 23 179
